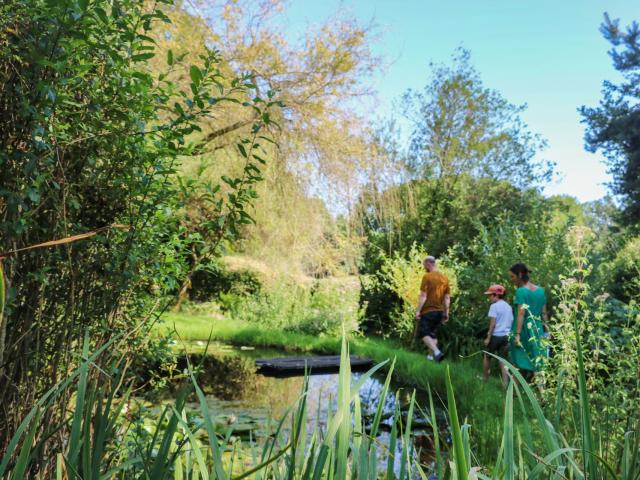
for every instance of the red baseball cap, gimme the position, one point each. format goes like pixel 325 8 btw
pixel 497 289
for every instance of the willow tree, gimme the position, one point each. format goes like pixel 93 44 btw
pixel 321 142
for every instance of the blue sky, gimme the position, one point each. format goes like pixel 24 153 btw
pixel 547 54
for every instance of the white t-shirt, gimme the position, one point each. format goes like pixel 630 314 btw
pixel 503 314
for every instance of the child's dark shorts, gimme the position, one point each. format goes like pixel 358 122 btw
pixel 499 345
pixel 429 324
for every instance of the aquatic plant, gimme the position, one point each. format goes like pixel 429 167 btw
pixel 105 443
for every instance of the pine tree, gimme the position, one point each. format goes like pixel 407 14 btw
pixel 614 126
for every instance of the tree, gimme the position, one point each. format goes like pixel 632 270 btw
pixel 614 126
pixel 460 127
pixel 321 141
pixel 89 140
pixel 469 158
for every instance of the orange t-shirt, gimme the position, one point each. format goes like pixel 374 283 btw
pixel 436 286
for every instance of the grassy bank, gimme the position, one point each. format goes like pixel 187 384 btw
pixel 480 404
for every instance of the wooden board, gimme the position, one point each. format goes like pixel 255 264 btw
pixel 319 364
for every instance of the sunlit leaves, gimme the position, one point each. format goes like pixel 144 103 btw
pixel 90 139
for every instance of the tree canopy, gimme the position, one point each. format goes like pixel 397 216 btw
pixel 613 127
pixel 459 127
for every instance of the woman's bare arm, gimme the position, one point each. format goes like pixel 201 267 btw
pixel 519 323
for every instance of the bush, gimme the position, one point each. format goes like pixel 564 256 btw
pixel 90 139
pixel 400 277
pixel 624 272
pixel 610 333
pixel 389 296
pixel 539 242
pixel 325 307
pixel 216 280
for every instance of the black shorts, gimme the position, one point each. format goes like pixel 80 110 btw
pixel 429 324
pixel 499 345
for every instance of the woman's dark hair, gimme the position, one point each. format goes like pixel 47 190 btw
pixel 521 271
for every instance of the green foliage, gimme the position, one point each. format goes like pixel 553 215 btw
pixel 461 127
pixel 535 235
pixel 89 139
pixel 399 277
pixel 214 280
pixel 610 335
pixel 440 221
pixel 155 366
pixel 438 216
pixel 539 242
pixel 107 443
pixel 613 126
pixel 323 307
pixel 623 272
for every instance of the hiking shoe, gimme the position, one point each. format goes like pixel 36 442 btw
pixel 439 357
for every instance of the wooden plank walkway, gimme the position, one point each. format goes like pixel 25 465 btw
pixel 289 366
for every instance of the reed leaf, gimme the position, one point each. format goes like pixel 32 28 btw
pixel 440 465
pixel 379 410
pixel 508 436
pixel 585 412
pixel 160 467
pixel 405 467
pixel 459 454
pixel 45 402
pixel 194 443
pixel 549 434
pixel 22 463
pixel 344 406
pixel 393 441
pixel 219 472
pixel 76 425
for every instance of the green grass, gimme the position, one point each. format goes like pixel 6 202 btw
pixel 480 404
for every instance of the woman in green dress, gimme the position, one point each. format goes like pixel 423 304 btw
pixel 526 346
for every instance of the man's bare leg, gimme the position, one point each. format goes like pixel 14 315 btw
pixel 431 343
pixel 486 366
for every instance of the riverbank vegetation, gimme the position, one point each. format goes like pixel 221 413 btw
pixel 192 165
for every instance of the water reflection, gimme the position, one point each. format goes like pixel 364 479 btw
pixel 251 403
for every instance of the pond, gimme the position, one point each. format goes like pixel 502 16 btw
pixel 251 403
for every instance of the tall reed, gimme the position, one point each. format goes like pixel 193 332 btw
pixel 181 448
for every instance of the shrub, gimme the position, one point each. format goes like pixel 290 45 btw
pixel 401 276
pixel 610 333
pixel 90 139
pixel 324 307
pixel 624 272
pixel 487 258
pixel 215 279
pixel 389 296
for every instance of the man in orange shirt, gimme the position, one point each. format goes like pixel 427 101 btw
pixel 433 306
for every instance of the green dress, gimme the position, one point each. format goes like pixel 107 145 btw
pixel 531 354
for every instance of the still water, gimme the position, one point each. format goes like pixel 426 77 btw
pixel 251 403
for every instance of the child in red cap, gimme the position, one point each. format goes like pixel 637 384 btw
pixel 500 321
